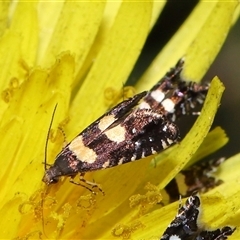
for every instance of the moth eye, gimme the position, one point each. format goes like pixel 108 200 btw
pixel 54 180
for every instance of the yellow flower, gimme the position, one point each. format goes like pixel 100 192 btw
pixel 68 53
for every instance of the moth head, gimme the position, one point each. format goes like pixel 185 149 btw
pixel 51 175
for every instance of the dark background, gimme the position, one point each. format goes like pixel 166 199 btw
pixel 225 66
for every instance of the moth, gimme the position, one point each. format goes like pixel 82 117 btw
pixel 199 177
pixel 186 226
pixel 134 129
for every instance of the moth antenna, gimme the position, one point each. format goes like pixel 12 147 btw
pixel 48 134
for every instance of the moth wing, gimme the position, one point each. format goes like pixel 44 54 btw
pixel 185 224
pixel 147 133
pixel 142 133
pixel 116 114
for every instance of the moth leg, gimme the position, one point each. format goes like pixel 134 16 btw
pixel 79 184
pixel 92 184
pixel 86 182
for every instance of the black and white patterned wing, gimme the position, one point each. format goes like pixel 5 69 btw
pixel 110 117
pixel 140 134
pixel 186 225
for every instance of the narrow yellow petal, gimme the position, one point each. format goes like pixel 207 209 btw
pixel 215 140
pixel 75 31
pixel 209 40
pixel 11 71
pixel 47 22
pixel 221 204
pixel 24 23
pixel 108 19
pixel 4 6
pixel 229 169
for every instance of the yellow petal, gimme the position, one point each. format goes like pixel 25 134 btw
pixel 75 29
pixel 4 7
pixel 215 140
pixel 24 131
pixel 209 40
pixel 25 25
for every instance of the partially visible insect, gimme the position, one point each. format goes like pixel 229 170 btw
pixel 134 129
pixel 199 177
pixel 185 225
